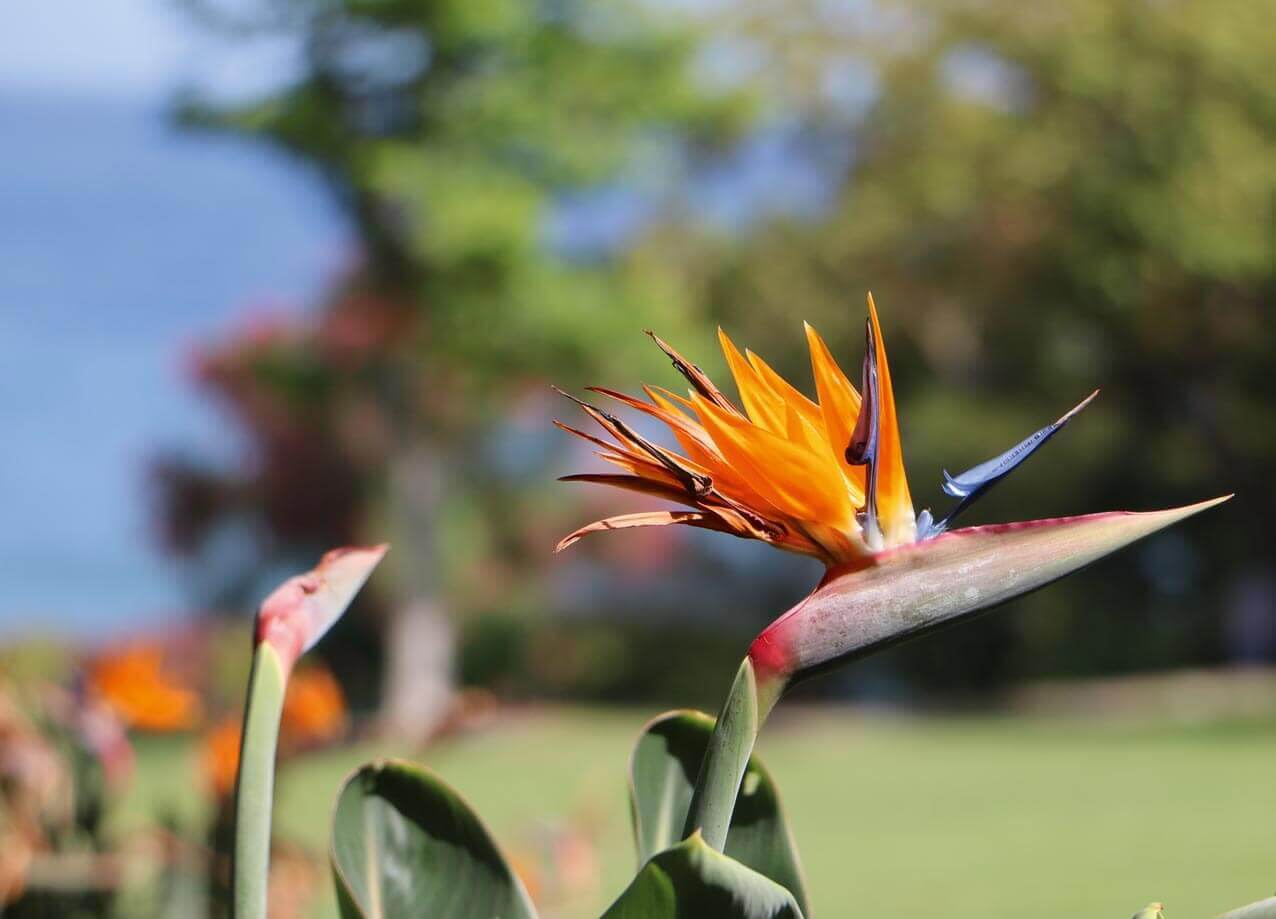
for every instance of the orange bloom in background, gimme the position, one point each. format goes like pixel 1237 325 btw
pixel 135 683
pixel 314 709
pixel 219 756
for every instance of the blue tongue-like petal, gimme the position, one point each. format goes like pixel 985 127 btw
pixel 972 483
pixel 862 450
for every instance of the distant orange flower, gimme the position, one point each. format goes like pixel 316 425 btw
pixel 314 708
pixel 133 681
pixel 219 756
pixel 528 870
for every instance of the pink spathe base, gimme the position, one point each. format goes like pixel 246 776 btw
pixel 298 613
pixel 905 591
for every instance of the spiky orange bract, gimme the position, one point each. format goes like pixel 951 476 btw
pixel 133 680
pixel 894 504
pixel 839 402
pixel 775 471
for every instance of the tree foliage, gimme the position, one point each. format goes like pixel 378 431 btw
pixel 455 134
pixel 1044 199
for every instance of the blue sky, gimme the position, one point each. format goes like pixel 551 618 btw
pixel 123 242
pixel 134 49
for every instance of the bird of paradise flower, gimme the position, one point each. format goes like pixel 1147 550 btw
pixel 826 478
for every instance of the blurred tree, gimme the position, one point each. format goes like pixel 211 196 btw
pixel 1044 199
pixel 453 132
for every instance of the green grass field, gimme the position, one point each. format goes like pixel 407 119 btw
pixel 980 817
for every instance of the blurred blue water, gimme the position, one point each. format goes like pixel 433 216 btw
pixel 122 242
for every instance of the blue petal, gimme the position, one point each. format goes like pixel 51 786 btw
pixel 862 450
pixel 926 525
pixel 970 484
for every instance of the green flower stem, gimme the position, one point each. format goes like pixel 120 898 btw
pixel 734 734
pixel 1263 909
pixel 250 865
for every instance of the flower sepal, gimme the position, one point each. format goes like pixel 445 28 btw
pixel 906 591
pixel 302 609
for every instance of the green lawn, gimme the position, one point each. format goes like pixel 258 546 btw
pixel 979 817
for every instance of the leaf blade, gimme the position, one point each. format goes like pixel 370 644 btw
pixel 663 770
pixel 405 844
pixel 692 879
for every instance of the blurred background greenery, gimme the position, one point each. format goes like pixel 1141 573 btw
pixel 1043 199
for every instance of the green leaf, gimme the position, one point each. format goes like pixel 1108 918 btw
pixel 692 879
pixel 1263 909
pixel 662 773
pixel 405 844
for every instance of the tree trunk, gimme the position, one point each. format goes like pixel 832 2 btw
pixel 418 682
pixel 418 689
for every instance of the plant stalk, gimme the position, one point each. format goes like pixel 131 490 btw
pixel 734 734
pixel 254 790
pixel 1263 909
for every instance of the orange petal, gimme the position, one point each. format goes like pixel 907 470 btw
pixel 690 435
pixel 765 408
pixel 648 519
pixel 799 431
pixel 700 447
pixel 803 421
pixel 695 376
pixel 668 399
pixel 638 464
pixel 791 395
pixel 670 491
pixel 693 478
pixel 803 484
pixel 703 456
pixel 643 468
pixel 669 415
pixel 612 448
pixel 839 405
pixel 894 504
pixel 740 520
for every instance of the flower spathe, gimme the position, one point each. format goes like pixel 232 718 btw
pixel 826 478
pixel 910 590
pixel 302 609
